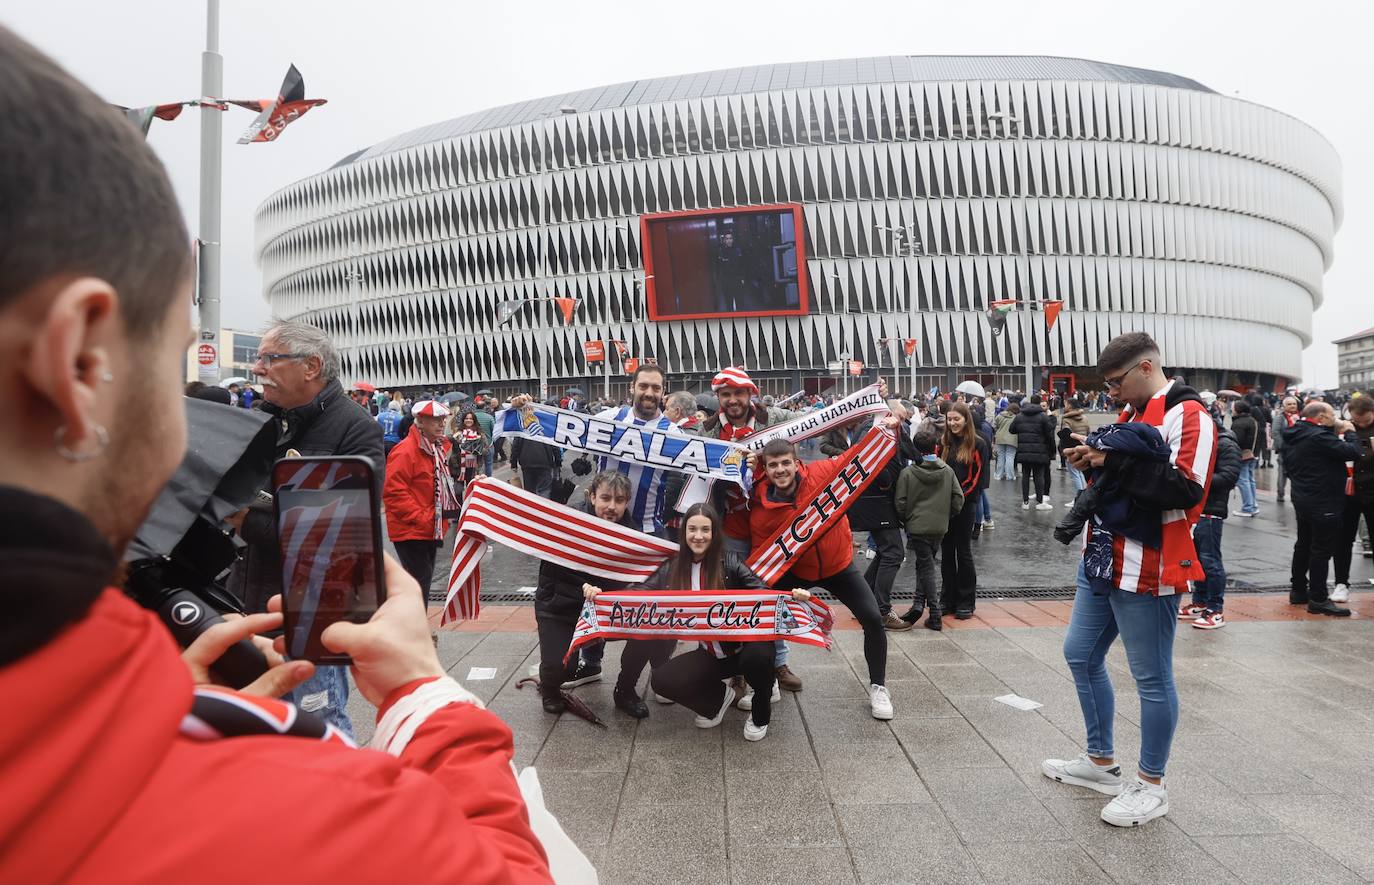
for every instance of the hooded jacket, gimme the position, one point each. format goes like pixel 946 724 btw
pixel 1224 475
pixel 928 496
pixel 1034 435
pixel 102 784
pixel 1314 459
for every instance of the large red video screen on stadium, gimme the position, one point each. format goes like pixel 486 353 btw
pixel 725 263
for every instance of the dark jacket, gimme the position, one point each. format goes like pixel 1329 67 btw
pixel 1246 429
pixel 1072 422
pixel 1224 474
pixel 1034 435
pixel 534 455
pixel 735 575
pixel 558 591
pixel 1364 468
pixel 1128 445
pixel 835 441
pixel 1314 460
pixel 874 508
pixel 330 424
pixel 972 476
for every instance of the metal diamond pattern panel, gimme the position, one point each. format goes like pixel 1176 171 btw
pixel 1145 203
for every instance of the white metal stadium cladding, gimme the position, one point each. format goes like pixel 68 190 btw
pixel 1142 199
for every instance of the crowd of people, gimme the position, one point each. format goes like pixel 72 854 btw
pixel 127 730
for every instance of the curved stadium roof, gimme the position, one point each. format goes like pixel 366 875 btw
pixel 796 75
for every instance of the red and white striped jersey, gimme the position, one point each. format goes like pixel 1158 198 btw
pixel 1192 438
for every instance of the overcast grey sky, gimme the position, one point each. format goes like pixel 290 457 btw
pixel 387 67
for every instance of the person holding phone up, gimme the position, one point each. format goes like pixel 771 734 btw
pixel 108 769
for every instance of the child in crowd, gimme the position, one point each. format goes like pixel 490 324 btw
pixel 928 495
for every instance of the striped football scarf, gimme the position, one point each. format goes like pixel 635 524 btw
pixel 703 616
pixel 521 520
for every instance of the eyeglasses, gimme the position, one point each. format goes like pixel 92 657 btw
pixel 268 358
pixel 1114 383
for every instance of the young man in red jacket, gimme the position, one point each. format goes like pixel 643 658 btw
pixel 783 489
pixel 114 767
pixel 419 495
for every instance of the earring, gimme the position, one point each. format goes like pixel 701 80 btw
pixel 107 377
pixel 102 440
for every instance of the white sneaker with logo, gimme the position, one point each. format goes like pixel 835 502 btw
pixel 747 702
pixel 754 732
pixel 1139 802
pixel 880 701
pixel 1044 504
pixel 1084 772
pixel 1340 593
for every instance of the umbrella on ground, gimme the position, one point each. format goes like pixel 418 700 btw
pixel 1228 392
pixel 456 396
pixel 364 387
pixel 485 392
pixel 575 391
pixel 972 388
pixel 237 379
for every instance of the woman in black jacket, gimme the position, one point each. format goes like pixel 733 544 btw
pixel 1034 449
pixel 558 601
pixel 697 679
pixel 967 453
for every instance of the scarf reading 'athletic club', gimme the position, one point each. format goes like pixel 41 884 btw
pixel 704 616
pixel 859 466
pixel 521 520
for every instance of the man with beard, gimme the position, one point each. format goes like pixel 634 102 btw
pixel 118 761
pixel 646 485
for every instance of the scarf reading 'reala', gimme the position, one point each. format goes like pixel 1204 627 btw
pixel 521 520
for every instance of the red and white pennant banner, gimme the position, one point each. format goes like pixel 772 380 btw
pixel 521 520
pixel 704 616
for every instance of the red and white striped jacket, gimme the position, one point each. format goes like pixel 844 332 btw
pixel 1183 422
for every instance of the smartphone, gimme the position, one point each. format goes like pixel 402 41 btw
pixel 329 532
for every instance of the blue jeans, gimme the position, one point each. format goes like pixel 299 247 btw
pixel 740 548
pixel 1005 466
pixel 1079 482
pixel 1207 539
pixel 490 455
pixel 1246 484
pixel 326 695
pixel 1146 625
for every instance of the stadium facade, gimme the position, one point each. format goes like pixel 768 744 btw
pixel 928 187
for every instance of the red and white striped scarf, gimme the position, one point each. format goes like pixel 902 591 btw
pixel 521 520
pixel 859 466
pixel 704 616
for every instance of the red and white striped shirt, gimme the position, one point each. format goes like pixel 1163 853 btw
pixel 1191 435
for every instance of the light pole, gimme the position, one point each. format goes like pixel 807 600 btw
pixel 211 165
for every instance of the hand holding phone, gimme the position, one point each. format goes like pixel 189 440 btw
pixel 329 532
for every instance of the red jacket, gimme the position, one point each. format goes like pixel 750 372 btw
pixel 409 491
pixel 832 551
pixel 100 784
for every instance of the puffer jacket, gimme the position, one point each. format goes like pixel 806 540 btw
pixel 1034 435
pixel 1224 475
pixel 927 496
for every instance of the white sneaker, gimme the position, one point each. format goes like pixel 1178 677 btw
pixel 661 699
pixel 1068 504
pixel 988 525
pixel 1139 802
pixel 754 732
pixel 747 702
pixel 1044 504
pixel 703 722
pixel 880 701
pixel 1340 593
pixel 1025 505
pixel 1083 772
pixel 870 553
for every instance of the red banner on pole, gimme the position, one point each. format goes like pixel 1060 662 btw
pixel 594 351
pixel 566 306
pixel 909 344
pixel 1052 309
pixel 620 347
pixel 856 367
pixel 631 365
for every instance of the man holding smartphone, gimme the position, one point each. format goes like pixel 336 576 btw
pixel 108 770
pixel 299 371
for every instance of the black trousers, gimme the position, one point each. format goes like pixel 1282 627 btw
pixel 882 571
pixel 1350 530
pixel 555 635
pixel 848 586
pixel 1040 473
pixel 696 679
pixel 417 558
pixel 1317 534
pixel 925 548
pixel 958 577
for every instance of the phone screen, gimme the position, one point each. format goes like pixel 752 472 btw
pixel 330 543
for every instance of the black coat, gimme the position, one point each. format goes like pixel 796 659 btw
pixel 1224 475
pixel 1246 429
pixel 533 455
pixel 1364 468
pixel 558 591
pixel 875 508
pixel 1034 435
pixel 330 424
pixel 1314 460
pixel 973 475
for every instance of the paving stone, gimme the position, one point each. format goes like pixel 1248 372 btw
pixel 1200 805
pixel 1157 852
pixel 877 773
pixel 947 863
pixel 585 803
pixel 752 825
pixel 769 865
pixel 991 805
pixel 1051 863
pixel 673 783
pixel 944 743
pixel 639 827
pixel 910 825
pixel 964 679
pixel 1277 860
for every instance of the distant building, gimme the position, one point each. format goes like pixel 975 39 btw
pixel 1355 360
pixel 241 351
